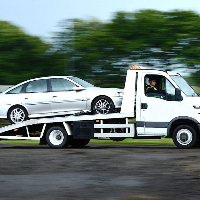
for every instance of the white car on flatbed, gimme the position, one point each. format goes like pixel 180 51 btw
pixel 56 95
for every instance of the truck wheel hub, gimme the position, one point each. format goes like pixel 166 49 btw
pixel 184 136
pixel 58 137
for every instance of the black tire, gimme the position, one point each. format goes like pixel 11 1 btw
pixel 184 137
pixel 17 114
pixel 103 105
pixel 79 142
pixel 57 137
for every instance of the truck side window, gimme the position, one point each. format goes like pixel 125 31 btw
pixel 160 87
pixel 170 91
pixel 155 86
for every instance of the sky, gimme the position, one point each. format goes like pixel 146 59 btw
pixel 42 18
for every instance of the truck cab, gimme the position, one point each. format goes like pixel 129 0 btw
pixel 172 110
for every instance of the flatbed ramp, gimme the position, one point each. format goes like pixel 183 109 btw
pixel 29 124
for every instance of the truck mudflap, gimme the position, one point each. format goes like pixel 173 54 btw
pixel 83 130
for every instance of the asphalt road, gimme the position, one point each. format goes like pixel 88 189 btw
pixel 99 172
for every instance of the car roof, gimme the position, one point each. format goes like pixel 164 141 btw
pixel 48 77
pixel 45 77
pixel 40 78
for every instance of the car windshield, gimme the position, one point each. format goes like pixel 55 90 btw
pixel 183 85
pixel 81 82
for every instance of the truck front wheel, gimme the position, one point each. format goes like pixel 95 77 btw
pixel 57 137
pixel 184 137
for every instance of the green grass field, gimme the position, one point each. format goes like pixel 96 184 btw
pixel 128 141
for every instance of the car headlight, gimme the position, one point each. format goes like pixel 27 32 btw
pixel 196 107
pixel 119 94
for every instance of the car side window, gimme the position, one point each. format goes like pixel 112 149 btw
pixel 16 90
pixel 60 84
pixel 37 86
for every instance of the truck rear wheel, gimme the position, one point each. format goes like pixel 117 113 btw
pixel 57 137
pixel 184 137
pixel 79 142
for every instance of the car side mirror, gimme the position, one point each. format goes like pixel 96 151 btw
pixel 178 96
pixel 78 88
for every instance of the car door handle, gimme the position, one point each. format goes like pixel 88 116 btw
pixel 54 96
pixel 144 105
pixel 26 98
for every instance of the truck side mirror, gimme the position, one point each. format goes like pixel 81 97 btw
pixel 178 96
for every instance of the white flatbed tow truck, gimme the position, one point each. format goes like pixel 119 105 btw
pixel 72 130
pixel 172 111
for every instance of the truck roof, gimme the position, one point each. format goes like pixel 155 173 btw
pixel 139 68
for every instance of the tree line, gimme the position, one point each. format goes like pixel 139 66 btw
pixel 101 52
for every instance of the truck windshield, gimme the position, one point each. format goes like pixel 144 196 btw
pixel 183 85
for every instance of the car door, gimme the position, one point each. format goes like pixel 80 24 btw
pixel 157 109
pixel 64 98
pixel 36 97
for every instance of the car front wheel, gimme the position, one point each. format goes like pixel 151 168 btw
pixel 102 105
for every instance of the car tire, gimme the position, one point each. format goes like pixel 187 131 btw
pixel 17 114
pixel 56 137
pixel 184 137
pixel 102 105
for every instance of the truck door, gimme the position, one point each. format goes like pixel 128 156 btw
pixel 157 108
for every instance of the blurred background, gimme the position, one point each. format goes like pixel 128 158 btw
pixel 99 51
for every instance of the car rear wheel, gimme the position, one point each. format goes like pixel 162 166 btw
pixel 102 105
pixel 17 114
